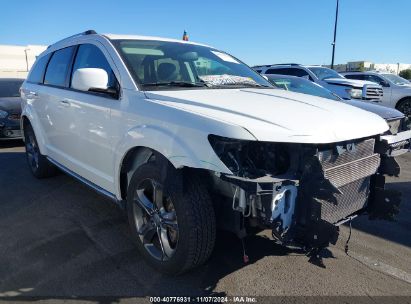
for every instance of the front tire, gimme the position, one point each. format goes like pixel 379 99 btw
pixel 173 224
pixel 39 165
pixel 405 107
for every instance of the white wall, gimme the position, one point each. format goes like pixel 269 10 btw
pixel 16 61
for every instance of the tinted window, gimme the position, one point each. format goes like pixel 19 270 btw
pixel 58 67
pixel 90 56
pixel 10 88
pixel 355 76
pixel 279 71
pixel 37 71
pixel 373 78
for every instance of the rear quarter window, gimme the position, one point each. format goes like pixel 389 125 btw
pixel 37 71
pixel 58 67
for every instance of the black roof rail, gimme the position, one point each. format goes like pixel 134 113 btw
pixel 292 64
pixel 269 65
pixel 88 32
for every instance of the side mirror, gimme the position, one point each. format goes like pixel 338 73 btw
pixel 92 80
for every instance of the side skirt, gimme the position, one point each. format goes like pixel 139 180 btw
pixel 91 185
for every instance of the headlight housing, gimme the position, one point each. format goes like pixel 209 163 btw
pixel 355 93
pixel 252 159
pixel 3 114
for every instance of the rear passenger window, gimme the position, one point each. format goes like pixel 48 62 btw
pixel 358 77
pixel 58 67
pixel 90 56
pixel 278 71
pixel 37 71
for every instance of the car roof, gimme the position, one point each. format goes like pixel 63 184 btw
pixel 154 38
pixel 91 34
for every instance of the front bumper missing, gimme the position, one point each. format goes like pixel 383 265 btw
pixel 332 189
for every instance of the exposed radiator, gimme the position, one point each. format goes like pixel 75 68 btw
pixel 350 172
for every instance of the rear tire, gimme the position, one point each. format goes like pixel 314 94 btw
pixel 39 165
pixel 188 238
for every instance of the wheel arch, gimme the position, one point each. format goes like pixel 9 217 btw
pixel 27 119
pixel 401 100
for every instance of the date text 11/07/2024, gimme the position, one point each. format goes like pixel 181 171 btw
pixel 224 299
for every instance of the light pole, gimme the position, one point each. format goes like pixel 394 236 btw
pixel 335 35
pixel 27 60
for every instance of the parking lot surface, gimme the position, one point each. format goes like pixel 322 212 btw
pixel 59 239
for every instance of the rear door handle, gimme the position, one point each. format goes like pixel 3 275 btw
pixel 32 93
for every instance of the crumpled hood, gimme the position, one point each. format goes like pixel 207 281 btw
pixel 11 104
pixel 384 112
pixel 350 82
pixel 276 115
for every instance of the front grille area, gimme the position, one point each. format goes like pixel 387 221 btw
pixel 329 158
pixel 374 93
pixel 344 174
pixel 350 172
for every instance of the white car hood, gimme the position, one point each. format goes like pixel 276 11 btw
pixel 350 82
pixel 276 115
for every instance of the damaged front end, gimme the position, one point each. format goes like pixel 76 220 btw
pixel 303 192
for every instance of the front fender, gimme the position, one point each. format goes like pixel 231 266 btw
pixel 185 148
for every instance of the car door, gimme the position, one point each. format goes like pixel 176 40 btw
pixel 57 118
pixel 92 128
pixel 387 90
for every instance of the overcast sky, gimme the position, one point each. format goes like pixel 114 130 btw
pixel 257 31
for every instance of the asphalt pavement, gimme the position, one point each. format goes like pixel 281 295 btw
pixel 61 240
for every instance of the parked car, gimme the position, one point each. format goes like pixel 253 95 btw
pixel 188 138
pixel 397 90
pixel 10 108
pixel 398 122
pixel 328 78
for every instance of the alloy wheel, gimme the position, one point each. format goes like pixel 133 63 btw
pixel 33 151
pixel 155 219
pixel 405 107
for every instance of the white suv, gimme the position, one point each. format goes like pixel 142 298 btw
pixel 188 138
pixel 397 90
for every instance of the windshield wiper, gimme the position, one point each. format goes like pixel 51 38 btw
pixel 176 84
pixel 256 85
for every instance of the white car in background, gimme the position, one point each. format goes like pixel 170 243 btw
pixel 187 138
pixel 327 78
pixel 397 90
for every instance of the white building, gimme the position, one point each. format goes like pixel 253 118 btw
pixel 16 61
pixel 394 68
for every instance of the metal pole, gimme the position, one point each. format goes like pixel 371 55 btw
pixel 335 35
pixel 27 61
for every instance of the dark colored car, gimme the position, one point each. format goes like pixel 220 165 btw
pixel 10 108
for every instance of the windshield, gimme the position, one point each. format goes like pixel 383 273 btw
pixel 396 79
pixel 324 73
pixel 301 85
pixel 10 88
pixel 164 65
